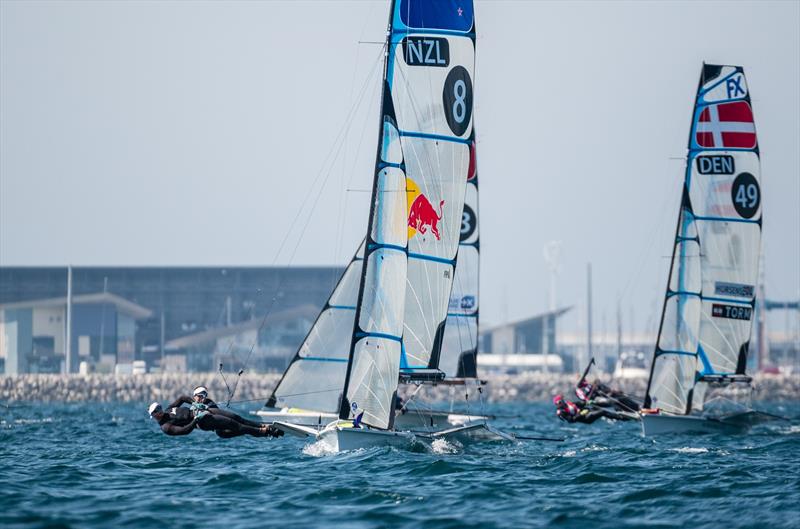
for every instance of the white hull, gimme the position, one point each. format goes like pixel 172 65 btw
pixel 671 424
pixel 410 420
pixel 309 418
pixel 340 436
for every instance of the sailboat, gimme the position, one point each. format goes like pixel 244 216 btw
pixel 698 379
pixel 396 290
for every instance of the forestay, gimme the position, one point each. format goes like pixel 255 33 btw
pixel 708 309
pixel 315 376
pixel 418 194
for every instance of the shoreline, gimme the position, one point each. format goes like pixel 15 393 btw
pixel 256 388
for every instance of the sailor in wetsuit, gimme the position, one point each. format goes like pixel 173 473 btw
pixel 598 394
pixel 571 412
pixel 178 420
pixel 200 401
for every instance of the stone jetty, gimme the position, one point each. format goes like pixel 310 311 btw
pixel 256 388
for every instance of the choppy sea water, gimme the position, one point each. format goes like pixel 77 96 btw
pixel 104 465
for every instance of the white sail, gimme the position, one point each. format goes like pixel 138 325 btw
pixel 460 345
pixel 315 377
pixel 432 63
pixel 419 190
pixel 707 319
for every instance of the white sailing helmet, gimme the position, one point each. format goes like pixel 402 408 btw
pixel 200 390
pixel 154 408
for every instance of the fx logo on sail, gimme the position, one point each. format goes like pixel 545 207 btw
pixel 734 86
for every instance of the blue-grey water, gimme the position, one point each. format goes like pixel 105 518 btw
pixel 108 465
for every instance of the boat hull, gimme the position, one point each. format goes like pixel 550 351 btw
pixel 344 439
pixel 659 424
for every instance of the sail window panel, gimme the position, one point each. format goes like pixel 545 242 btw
pixel 686 276
pixel 427 296
pixel 436 185
pixel 373 380
pixel 419 91
pixel 391 150
pixel 384 292
pixel 469 216
pixel 673 378
pixel 312 385
pixel 729 258
pixel 725 184
pixel 346 293
pixel 724 329
pixel 464 296
pixel 329 338
pixel 460 335
pixel 679 330
pixel 389 221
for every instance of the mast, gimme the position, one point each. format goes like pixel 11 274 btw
pixel 68 350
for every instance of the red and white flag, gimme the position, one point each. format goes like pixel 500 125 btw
pixel 726 125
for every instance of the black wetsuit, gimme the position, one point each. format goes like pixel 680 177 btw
pixel 178 420
pixel 587 414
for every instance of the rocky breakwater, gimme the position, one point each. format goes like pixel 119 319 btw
pixel 130 388
pixel 256 388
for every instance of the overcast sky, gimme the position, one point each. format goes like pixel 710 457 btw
pixel 198 133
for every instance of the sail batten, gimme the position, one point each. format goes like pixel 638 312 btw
pixel 708 307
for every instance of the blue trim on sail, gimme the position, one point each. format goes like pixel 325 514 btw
pixel 378 335
pixel 707 369
pixel 458 315
pixel 384 165
pixel 725 219
pixel 342 307
pixel 413 368
pixel 424 257
pixel 673 293
pixel 682 353
pixel 728 300
pixel 413 32
pixel 379 246
pixel 323 359
pixel 426 136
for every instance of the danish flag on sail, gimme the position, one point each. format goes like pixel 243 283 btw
pixel 726 125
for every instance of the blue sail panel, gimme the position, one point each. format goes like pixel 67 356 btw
pixel 445 15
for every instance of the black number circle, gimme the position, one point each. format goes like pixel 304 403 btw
pixel 746 195
pixel 468 223
pixel 457 100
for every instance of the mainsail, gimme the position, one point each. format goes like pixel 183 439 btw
pixel 460 346
pixel 707 318
pixel 431 72
pixel 420 181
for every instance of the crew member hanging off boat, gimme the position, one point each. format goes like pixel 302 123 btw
pixel 204 413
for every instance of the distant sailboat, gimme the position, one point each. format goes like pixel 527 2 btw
pixel 700 357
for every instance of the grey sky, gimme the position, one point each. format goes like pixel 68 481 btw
pixel 159 133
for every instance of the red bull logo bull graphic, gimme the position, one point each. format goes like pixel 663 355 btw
pixel 421 214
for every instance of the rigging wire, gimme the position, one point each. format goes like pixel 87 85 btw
pixel 328 162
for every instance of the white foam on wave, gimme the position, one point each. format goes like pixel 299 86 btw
pixel 319 449
pixel 594 448
pixel 442 446
pixel 689 450
pixel 569 453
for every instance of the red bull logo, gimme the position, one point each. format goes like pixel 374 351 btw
pixel 421 214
